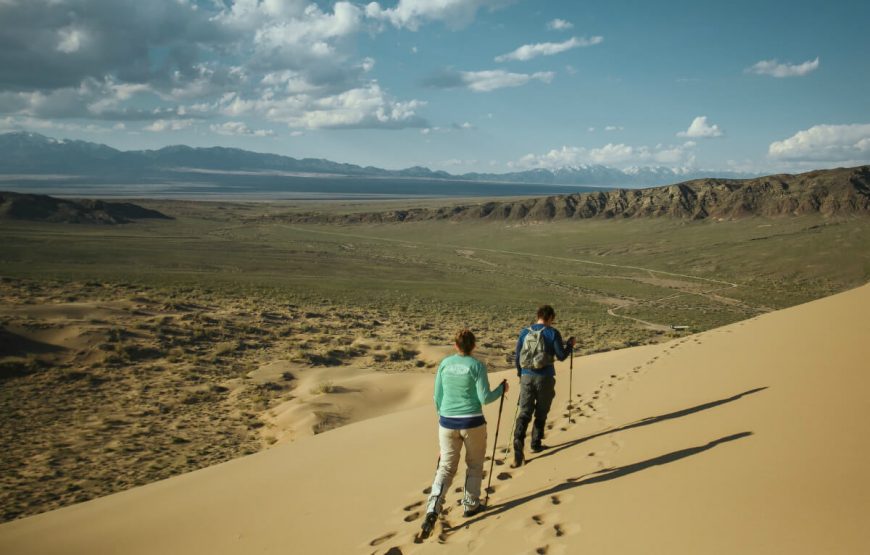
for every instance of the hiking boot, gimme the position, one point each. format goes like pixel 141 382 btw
pixel 539 448
pixel 518 460
pixel 429 523
pixel 471 511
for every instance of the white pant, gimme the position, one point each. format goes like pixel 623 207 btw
pixel 451 442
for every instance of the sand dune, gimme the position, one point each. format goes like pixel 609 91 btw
pixel 743 439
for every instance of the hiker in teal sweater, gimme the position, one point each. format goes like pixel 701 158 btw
pixel 461 390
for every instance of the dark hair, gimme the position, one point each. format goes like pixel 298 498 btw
pixel 546 312
pixel 465 341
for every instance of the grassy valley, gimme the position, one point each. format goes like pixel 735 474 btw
pixel 154 340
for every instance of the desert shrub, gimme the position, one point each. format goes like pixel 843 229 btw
pixel 199 396
pixel 225 347
pixel 271 386
pixel 327 421
pixel 323 387
pixel 317 359
pixel 175 354
pixel 403 354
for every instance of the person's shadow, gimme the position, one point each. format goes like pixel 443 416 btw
pixel 618 472
pixel 646 422
pixel 602 476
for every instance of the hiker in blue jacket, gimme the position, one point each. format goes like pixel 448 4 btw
pixel 537 348
pixel 461 390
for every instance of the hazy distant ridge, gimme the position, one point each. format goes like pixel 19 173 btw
pixel 16 206
pixel 32 153
pixel 826 192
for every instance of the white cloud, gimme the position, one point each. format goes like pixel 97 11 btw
pixel 92 99
pixel 464 126
pixel 613 128
pixel 529 51
pixel 699 128
pixel 776 69
pixel 240 128
pixel 831 143
pixel 29 123
pixel 619 155
pixel 559 25
pixel 162 125
pixel 410 14
pixel 306 38
pixel 454 162
pixel 490 80
pixel 70 40
pixel 93 59
pixel 367 106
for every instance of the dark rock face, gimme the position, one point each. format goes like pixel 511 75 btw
pixel 17 206
pixel 827 192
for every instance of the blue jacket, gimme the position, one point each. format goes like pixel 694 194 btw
pixel 552 343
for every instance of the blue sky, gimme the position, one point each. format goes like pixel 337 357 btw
pixel 459 85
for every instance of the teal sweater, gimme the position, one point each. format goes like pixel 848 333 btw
pixel 462 387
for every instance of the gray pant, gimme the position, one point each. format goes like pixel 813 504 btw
pixel 451 442
pixel 536 396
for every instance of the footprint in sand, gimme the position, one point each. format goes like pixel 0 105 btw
pixel 554 499
pixel 393 551
pixel 538 519
pixel 543 550
pixel 412 506
pixel 412 517
pixel 557 528
pixel 504 476
pixel 382 539
pixel 428 490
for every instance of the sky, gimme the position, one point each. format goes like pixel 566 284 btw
pixel 455 85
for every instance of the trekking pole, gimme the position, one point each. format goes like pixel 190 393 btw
pixel 513 427
pixel 570 387
pixel 494 444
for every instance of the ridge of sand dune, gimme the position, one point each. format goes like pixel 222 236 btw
pixel 743 439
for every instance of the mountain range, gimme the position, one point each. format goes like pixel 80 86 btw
pixel 25 153
pixel 838 192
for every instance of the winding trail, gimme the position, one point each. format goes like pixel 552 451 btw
pixel 723 285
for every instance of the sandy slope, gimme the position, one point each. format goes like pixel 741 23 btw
pixel 745 439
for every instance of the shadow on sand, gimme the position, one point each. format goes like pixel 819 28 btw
pixel 646 422
pixel 618 472
pixel 602 476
